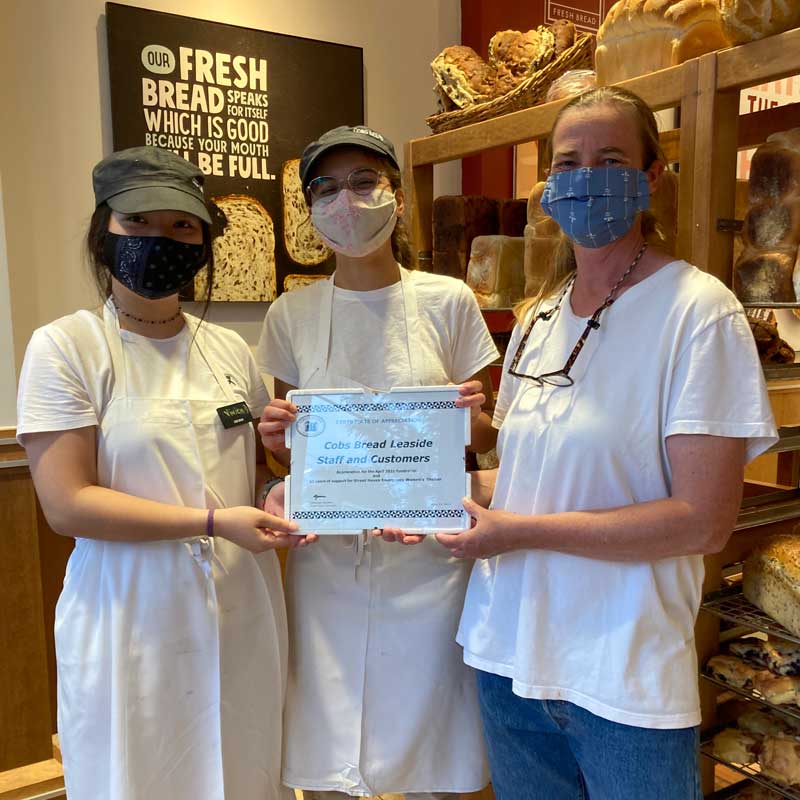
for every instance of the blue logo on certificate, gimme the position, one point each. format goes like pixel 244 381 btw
pixel 310 425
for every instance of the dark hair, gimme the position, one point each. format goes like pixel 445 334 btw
pixel 95 250
pixel 402 248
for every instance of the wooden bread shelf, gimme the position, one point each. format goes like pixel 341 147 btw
pixel 706 91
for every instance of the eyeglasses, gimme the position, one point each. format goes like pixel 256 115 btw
pixel 562 377
pixel 361 181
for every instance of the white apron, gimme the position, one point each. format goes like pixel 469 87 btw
pixel 379 699
pixel 170 654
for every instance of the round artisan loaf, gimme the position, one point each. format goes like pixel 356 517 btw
pixel 748 20
pixel 464 76
pixel 765 277
pixel 770 226
pixel 774 173
pixel 522 53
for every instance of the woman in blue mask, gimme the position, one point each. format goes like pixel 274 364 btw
pixel 631 399
pixel 166 623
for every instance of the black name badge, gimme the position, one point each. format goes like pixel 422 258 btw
pixel 234 414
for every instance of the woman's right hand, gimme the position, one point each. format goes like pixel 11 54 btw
pixel 278 415
pixel 255 530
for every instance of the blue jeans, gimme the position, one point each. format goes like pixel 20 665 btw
pixel 555 750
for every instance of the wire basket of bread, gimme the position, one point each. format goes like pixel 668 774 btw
pixel 520 70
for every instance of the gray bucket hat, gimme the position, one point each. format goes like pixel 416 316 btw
pixel 149 179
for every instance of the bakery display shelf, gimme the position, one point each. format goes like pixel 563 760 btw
pixel 781 372
pixel 788 439
pixel 752 771
pixel 731 605
pixel 765 509
pixel 770 304
pixel 785 710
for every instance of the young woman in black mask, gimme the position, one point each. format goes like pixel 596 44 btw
pixel 166 622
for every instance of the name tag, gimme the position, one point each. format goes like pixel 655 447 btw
pixel 234 414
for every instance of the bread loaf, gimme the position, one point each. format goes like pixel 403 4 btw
pixel 780 759
pixel 765 277
pixel 762 723
pixel 457 220
pixel 300 237
pixel 778 689
pixel 748 20
pixel 564 35
pixel 291 282
pixel 771 226
pixel 572 82
pixel 736 746
pixel 522 53
pixel 733 671
pixel 496 270
pixel 464 76
pixel 774 173
pixel 771 579
pixel 641 36
pixel 780 657
pixel 244 256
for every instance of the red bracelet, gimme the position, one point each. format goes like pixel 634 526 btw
pixel 210 523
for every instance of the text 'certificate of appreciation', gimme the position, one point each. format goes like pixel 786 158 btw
pixel 362 460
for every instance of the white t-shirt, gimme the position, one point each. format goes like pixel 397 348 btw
pixel 368 334
pixel 68 365
pixel 673 355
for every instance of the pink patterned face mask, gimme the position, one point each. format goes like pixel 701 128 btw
pixel 354 225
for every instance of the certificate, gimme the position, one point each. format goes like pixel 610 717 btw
pixel 362 460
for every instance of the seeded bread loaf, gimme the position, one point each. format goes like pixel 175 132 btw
pixel 464 76
pixel 748 20
pixel 244 257
pixel 300 238
pixel 641 36
pixel 771 579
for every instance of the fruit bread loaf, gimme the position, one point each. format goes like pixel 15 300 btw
pixel 733 671
pixel 748 20
pixel 641 36
pixel 771 579
pixel 300 238
pixel 778 656
pixel 244 256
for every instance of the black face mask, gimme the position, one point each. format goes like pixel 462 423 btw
pixel 153 266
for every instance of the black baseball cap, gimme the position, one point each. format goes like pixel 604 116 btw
pixel 355 136
pixel 149 179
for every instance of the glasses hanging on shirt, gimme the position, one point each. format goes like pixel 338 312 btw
pixel 562 377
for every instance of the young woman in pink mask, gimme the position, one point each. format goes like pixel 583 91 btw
pixel 379 699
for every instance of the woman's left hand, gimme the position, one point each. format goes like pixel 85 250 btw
pixel 472 397
pixel 492 533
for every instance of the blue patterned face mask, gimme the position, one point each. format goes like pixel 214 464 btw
pixel 596 205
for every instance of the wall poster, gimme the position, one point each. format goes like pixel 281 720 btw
pixel 241 104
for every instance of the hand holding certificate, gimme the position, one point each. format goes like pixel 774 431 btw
pixel 362 460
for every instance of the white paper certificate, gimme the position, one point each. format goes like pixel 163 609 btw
pixel 391 460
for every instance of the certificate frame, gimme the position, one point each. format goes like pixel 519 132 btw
pixel 362 459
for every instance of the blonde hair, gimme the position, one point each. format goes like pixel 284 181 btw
pixel 563 265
